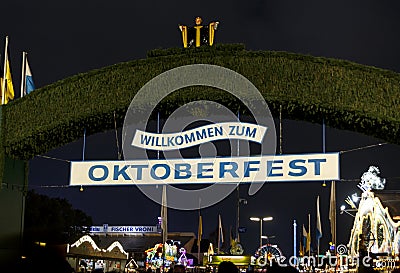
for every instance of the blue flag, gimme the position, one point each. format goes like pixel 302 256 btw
pixel 319 228
pixel 220 234
pixel 304 236
pixel 29 85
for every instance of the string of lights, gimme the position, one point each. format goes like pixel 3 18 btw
pixel 362 148
pixel 53 158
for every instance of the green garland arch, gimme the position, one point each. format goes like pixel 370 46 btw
pixel 348 95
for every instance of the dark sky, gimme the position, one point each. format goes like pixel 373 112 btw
pixel 64 38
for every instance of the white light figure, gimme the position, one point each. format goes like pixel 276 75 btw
pixel 182 259
pixel 370 180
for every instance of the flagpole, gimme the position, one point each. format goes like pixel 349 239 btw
pixel 334 192
pixel 198 241
pixel 309 235
pixel 164 223
pixel 84 144
pixel 323 135
pixel 323 142
pixel 219 232
pixel 23 75
pixel 200 232
pixel 318 252
pixel 238 195
pixel 3 89
pixel 158 131
pixel 165 228
pixel 332 213
pixel 294 239
pixel 318 228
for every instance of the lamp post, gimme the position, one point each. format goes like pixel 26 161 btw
pixel 261 220
pixel 239 201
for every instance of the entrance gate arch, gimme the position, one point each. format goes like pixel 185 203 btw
pixel 349 96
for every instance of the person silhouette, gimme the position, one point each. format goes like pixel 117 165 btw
pixel 227 267
pixel 179 268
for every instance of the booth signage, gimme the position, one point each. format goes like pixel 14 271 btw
pixel 237 260
pixel 123 229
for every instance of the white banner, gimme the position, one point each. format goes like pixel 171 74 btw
pixel 199 135
pixel 279 168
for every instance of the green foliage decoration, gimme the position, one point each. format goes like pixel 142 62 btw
pixel 349 96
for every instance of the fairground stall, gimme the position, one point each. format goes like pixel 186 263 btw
pixel 85 255
pixel 122 248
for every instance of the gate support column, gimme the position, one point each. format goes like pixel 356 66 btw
pixel 13 187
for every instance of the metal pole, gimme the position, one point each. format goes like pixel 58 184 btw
pixel 261 220
pixel 238 194
pixel 238 215
pixel 280 129
pixel 309 234
pixel 84 144
pixel 323 141
pixel 323 135
pixel 294 239
pixel 158 131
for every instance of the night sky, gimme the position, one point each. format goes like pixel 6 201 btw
pixel 65 38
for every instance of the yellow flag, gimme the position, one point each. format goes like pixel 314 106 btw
pixel 200 231
pixel 308 241
pixel 9 88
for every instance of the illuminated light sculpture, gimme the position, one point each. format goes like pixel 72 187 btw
pixel 86 238
pixel 236 248
pixel 85 250
pixel 199 34
pixel 131 266
pixel 370 180
pixel 374 230
pixel 155 258
pixel 117 245
pixel 268 252
pixel 182 258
